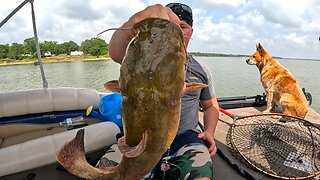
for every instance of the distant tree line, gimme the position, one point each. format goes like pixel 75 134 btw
pixel 217 54
pixel 93 46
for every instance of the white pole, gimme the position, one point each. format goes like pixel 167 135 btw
pixel 44 81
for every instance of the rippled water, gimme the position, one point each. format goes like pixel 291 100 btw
pixel 89 74
pixel 232 76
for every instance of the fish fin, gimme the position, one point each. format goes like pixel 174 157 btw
pixel 72 157
pixel 105 163
pixel 112 86
pixel 193 87
pixel 71 152
pixel 135 151
pixel 72 149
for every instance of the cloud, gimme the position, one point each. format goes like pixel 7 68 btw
pixel 221 3
pixel 287 28
pixel 295 39
pixel 281 12
pixel 64 20
pixel 81 10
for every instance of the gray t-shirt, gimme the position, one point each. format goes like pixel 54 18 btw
pixel 195 72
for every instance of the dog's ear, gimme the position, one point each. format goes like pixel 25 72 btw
pixel 259 48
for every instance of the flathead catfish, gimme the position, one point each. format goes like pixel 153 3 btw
pixel 152 82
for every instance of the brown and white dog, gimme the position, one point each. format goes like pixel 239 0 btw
pixel 281 87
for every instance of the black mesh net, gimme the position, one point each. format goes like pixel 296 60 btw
pixel 280 146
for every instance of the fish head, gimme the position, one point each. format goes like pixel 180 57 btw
pixel 155 60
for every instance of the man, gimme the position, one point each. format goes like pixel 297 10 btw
pixel 179 162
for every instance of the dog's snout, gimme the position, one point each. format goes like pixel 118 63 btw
pixel 250 61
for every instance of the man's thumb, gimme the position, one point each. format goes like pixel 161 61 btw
pixel 201 135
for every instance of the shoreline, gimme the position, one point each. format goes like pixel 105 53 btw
pixel 53 59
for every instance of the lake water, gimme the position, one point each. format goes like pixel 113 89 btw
pixel 232 76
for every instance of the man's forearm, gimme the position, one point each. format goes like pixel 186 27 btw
pixel 211 116
pixel 210 119
pixel 119 42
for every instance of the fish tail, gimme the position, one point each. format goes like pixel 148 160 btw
pixel 72 157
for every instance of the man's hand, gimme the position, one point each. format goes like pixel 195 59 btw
pixel 154 11
pixel 120 39
pixel 209 140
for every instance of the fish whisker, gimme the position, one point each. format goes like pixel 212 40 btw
pixel 113 29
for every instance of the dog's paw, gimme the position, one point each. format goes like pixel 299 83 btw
pixel 265 111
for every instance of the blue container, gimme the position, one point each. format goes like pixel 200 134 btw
pixel 110 108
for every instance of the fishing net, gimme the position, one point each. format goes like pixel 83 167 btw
pixel 280 146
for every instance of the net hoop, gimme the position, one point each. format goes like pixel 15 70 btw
pixel 278 145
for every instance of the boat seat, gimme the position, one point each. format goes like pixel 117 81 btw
pixel 33 101
pixel 42 151
pixel 17 133
pixel 29 132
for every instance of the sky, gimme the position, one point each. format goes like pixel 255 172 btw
pixel 285 28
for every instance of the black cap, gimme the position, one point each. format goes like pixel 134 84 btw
pixel 184 12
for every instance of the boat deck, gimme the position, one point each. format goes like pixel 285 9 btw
pixel 223 170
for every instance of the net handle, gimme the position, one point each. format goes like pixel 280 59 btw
pixel 228 113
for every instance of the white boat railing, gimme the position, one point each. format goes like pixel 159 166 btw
pixel 44 81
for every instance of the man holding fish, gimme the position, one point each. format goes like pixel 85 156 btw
pixel 189 156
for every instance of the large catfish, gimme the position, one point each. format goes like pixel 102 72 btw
pixel 152 82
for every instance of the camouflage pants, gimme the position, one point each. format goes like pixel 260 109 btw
pixel 187 158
